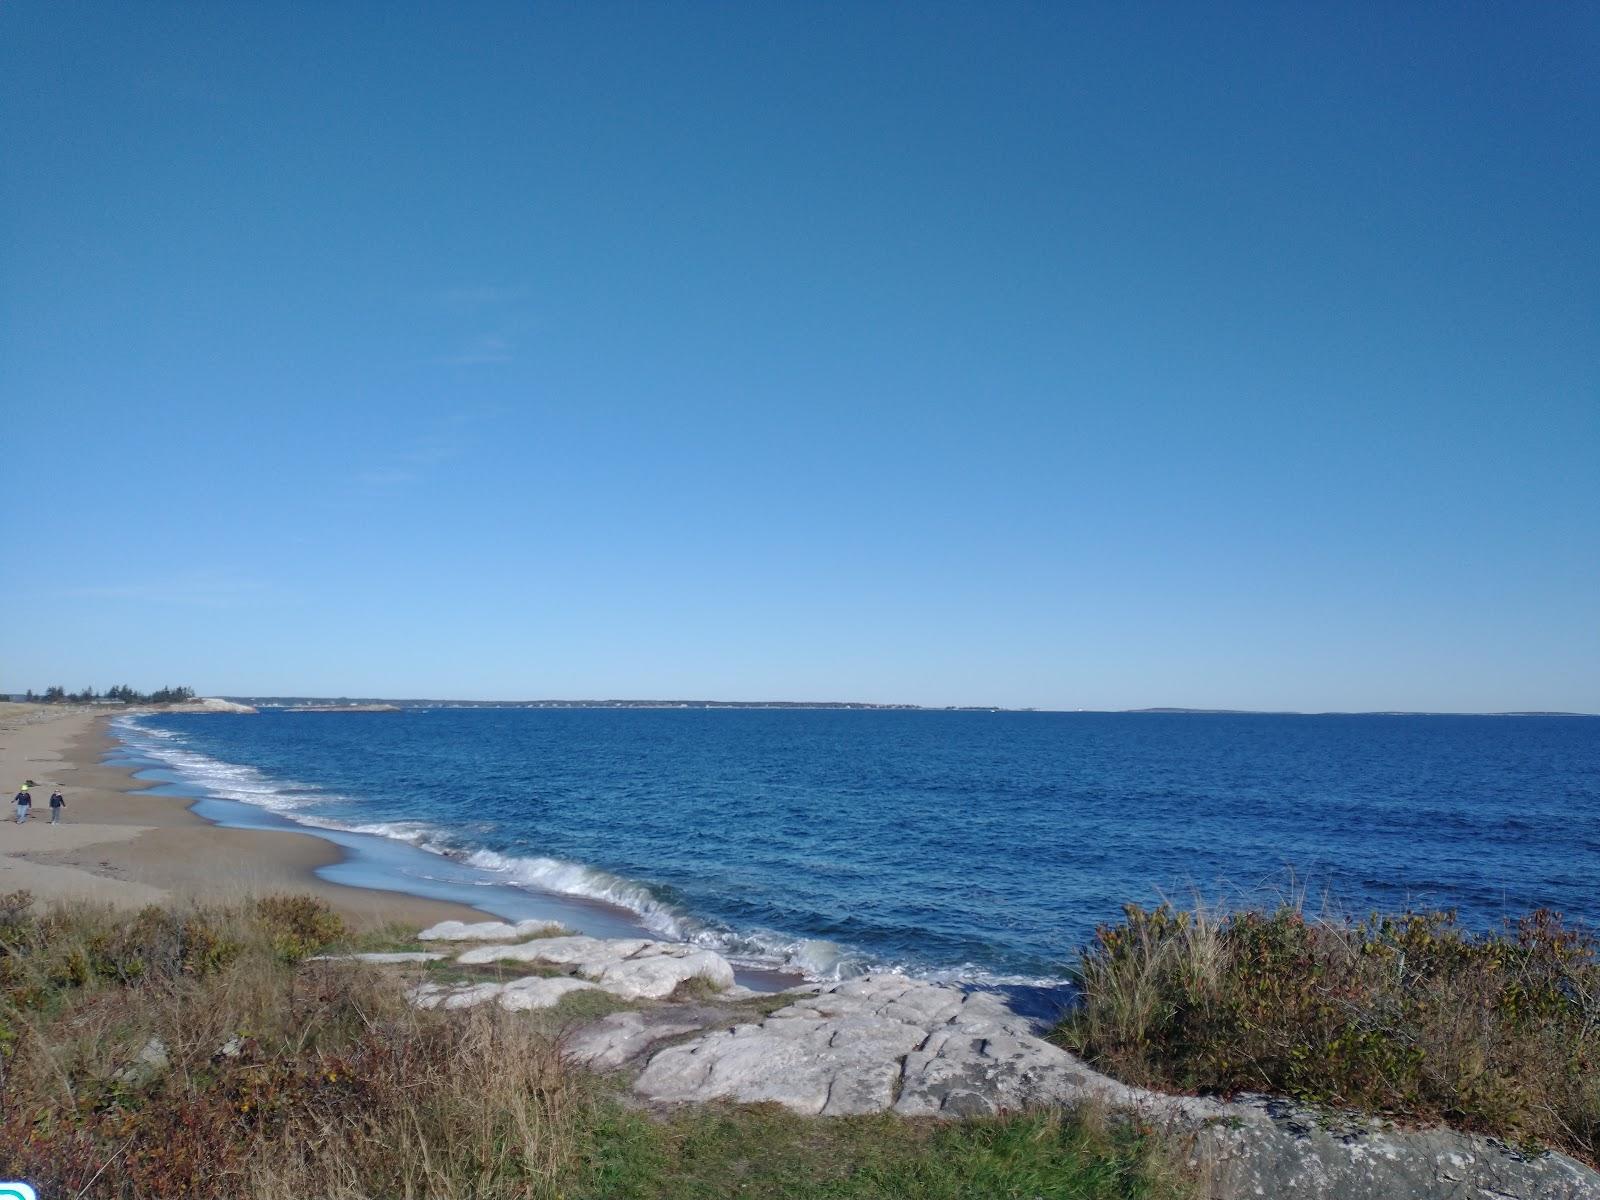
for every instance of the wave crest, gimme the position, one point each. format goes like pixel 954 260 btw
pixel 816 959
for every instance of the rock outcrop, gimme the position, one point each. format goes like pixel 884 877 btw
pixel 210 704
pixel 633 968
pixel 533 991
pixel 629 968
pixel 875 1043
pixel 620 1038
pixel 1262 1147
pixel 888 1043
pixel 487 931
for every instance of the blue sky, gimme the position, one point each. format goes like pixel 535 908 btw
pixel 1021 354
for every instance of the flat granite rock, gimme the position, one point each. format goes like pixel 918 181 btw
pixel 616 1039
pixel 633 968
pixel 382 958
pixel 1267 1147
pixel 572 951
pixel 867 1045
pixel 486 931
pixel 517 995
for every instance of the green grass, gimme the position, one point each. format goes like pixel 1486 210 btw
pixel 756 1007
pixel 579 1008
pixel 332 1086
pixel 766 1153
pixel 392 938
pixel 447 970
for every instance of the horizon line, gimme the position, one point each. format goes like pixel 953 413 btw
pixel 274 700
pixel 1156 710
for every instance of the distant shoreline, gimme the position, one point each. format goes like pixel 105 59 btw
pixel 389 704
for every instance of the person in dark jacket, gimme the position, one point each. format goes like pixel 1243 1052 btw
pixel 24 805
pixel 57 803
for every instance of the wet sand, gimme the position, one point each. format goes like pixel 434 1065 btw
pixel 121 844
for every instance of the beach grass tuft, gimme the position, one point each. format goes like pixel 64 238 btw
pixel 1411 1016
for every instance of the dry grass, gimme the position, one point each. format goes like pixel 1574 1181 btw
pixel 281 1079
pixel 284 1078
pixel 1411 1016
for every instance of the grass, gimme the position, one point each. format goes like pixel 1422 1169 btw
pixel 287 1078
pixel 447 970
pixel 394 937
pixel 1410 1016
pixel 765 1152
pixel 576 1009
pixel 695 988
pixel 389 938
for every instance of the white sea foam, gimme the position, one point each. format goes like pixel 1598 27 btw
pixel 228 781
pixel 814 958
pixel 574 879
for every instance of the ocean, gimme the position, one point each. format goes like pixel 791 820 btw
pixel 978 847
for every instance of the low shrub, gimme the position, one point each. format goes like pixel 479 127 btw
pixel 300 926
pixel 160 944
pixel 69 947
pixel 1409 1015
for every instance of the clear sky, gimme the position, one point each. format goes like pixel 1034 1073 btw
pixel 1025 354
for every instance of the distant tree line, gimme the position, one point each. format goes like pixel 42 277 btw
pixel 122 692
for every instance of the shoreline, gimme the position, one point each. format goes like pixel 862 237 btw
pixel 124 842
pixel 378 858
pixel 131 840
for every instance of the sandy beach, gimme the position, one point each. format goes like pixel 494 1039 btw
pixel 122 845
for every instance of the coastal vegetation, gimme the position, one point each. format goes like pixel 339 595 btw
pixel 120 694
pixel 204 1052
pixel 1412 1016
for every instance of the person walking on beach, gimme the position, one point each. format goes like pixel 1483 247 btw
pixel 24 805
pixel 57 803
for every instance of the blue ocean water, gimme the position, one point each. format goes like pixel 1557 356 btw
pixel 960 845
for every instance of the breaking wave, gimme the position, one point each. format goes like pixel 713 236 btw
pixel 814 958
